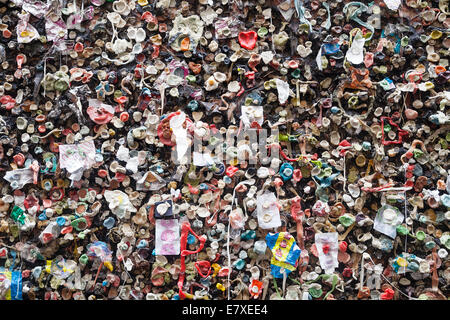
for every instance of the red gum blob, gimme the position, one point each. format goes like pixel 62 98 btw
pixel 247 39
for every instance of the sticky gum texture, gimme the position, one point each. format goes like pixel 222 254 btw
pixel 94 117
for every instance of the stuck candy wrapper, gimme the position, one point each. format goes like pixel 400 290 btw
pixel 167 237
pixel 285 253
pixel 10 285
pixel 182 143
pixel 283 90
pixel 76 158
pixel 392 4
pixel 355 53
pixel 20 177
pixel 99 249
pixel 387 220
pixel 327 247
pixel 268 213
pixel 60 267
